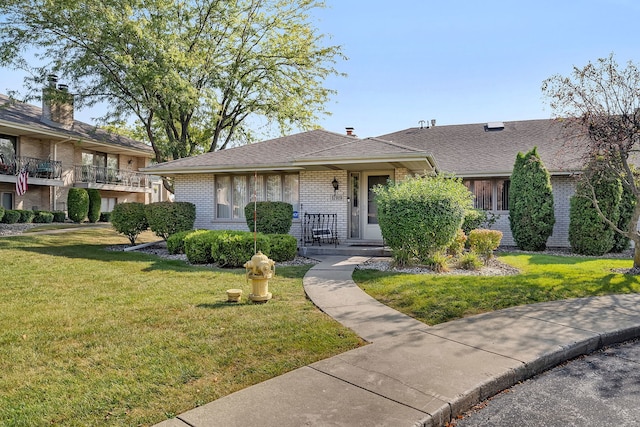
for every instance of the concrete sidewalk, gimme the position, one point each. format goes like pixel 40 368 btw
pixel 412 374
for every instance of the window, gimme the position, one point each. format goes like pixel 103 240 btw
pixel 7 200
pixel 8 147
pixel 233 193
pixel 489 194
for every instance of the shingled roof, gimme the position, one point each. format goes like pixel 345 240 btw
pixel 481 150
pixel 316 149
pixel 16 115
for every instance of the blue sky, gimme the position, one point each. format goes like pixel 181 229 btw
pixel 464 61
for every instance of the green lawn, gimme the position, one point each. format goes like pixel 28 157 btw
pixel 434 299
pixel 96 337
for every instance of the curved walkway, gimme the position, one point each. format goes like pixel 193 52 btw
pixel 412 374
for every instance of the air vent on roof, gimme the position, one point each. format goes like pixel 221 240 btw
pixel 494 126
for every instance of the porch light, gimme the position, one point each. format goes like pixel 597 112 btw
pixel 335 184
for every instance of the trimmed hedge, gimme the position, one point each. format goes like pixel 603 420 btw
pixel 95 203
pixel 10 216
pixel 167 218
pixel 105 216
pixel 234 249
pixel 2 210
pixel 284 247
pixel 484 242
pixel 175 242
pixel 271 217
pixel 129 219
pixel 59 216
pixel 26 217
pixel 77 204
pixel 198 246
pixel 43 217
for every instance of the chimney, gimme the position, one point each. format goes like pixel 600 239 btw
pixel 57 103
pixel 433 122
pixel 350 132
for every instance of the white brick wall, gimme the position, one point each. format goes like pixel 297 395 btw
pixel 316 196
pixel 198 189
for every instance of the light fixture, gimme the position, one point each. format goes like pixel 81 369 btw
pixel 335 184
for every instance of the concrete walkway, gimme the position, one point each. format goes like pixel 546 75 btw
pixel 412 374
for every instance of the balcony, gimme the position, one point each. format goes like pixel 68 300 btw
pixel 109 178
pixel 35 167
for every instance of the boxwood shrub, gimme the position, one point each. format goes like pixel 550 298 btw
pixel 1 212
pixel 167 218
pixel 25 216
pixel 175 242
pixel 43 217
pixel 10 216
pixel 234 249
pixel 283 247
pixel 271 217
pixel 198 246
pixel 59 216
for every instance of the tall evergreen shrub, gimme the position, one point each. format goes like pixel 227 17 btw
pixel 588 233
pixel 95 204
pixel 531 214
pixel 627 205
pixel 77 204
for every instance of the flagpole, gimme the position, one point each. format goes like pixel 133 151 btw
pixel 255 214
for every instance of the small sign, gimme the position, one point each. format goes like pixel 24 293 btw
pixel 295 215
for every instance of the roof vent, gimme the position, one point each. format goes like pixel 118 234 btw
pixel 350 131
pixel 494 126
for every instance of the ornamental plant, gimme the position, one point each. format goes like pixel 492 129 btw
pixel 95 202
pixel 484 242
pixel 77 204
pixel 420 216
pixel 129 219
pixel 271 217
pixel 531 212
pixel 167 218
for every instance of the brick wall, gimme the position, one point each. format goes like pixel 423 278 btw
pixel 317 196
pixel 198 189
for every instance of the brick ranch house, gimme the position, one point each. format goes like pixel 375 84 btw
pixel 59 152
pixel 326 173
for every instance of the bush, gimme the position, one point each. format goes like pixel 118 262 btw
pixel 77 204
pixel 105 216
pixel 457 245
pixel 234 249
pixel 473 218
pixel 531 214
pixel 10 216
pixel 283 247
pixel 198 245
pixel 129 219
pixel 43 217
pixel 420 217
pixel 271 217
pixel 484 242
pixel 95 203
pixel 59 216
pixel 26 217
pixel 438 262
pixel 470 261
pixel 175 242
pixel 627 204
pixel 167 218
pixel 2 210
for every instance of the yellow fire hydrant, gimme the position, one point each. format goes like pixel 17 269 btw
pixel 260 269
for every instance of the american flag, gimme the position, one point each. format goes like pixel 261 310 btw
pixel 21 183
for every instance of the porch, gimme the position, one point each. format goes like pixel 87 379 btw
pixel 366 248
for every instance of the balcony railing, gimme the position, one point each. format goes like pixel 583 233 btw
pixel 35 167
pixel 104 175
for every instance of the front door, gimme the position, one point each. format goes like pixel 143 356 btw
pixel 371 228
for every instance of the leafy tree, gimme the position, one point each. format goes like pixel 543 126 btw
pixel 531 214
pixel 600 106
pixel 589 234
pixel 192 73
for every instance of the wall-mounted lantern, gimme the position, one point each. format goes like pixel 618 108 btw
pixel 335 184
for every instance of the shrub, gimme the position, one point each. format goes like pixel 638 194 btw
pixel 77 204
pixel 484 242
pixel 59 216
pixel 420 217
pixel 43 217
pixel 271 217
pixel 588 233
pixel 105 216
pixel 470 261
pixel 531 214
pixel 175 242
pixel 95 203
pixel 10 216
pixel 198 245
pixel 283 247
pixel 438 262
pixel 167 218
pixel 129 219
pixel 473 218
pixel 25 216
pixel 627 204
pixel 457 245
pixel 234 249
pixel 1 212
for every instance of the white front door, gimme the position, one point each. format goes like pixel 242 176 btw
pixel 370 227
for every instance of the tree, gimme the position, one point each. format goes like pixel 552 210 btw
pixel 600 106
pixel 193 73
pixel 531 213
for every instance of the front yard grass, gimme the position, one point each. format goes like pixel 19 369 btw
pixel 434 299
pixel 96 337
